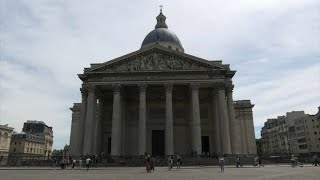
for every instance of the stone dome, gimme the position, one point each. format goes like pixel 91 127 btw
pixel 163 36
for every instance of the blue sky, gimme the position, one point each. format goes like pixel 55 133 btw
pixel 274 46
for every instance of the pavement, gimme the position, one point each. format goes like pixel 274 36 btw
pixel 269 172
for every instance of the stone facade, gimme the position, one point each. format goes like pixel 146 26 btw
pixel 5 139
pixel 274 136
pixel 296 133
pixel 161 101
pixel 36 139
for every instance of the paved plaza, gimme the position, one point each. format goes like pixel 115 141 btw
pixel 161 173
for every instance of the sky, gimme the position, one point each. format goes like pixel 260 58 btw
pixel 274 46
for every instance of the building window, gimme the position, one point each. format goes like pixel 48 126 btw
pixel 315 132
pixel 15 143
pixel 14 149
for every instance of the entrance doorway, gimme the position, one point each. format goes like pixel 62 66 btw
pixel 157 142
pixel 205 144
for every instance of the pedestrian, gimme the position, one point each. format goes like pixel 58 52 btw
pixel 178 161
pixel 152 162
pixel 148 164
pixel 73 163
pixel 67 162
pixel 62 163
pixel 147 161
pixel 315 160
pixel 221 163
pixel 88 161
pixel 260 162
pixel 170 162
pixel 80 163
pixel 238 162
pixel 54 163
pixel 256 161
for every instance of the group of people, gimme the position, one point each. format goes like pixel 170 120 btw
pixel 257 162
pixel 150 162
pixel 70 162
pixel 66 162
pixel 171 160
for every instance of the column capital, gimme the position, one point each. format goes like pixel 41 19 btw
pixel 142 87
pixel 229 88
pixel 221 86
pixel 91 88
pixel 116 88
pixel 84 90
pixel 194 86
pixel 168 86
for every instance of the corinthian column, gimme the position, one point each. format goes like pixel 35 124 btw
pixel 216 119
pixel 169 119
pixel 90 118
pixel 116 121
pixel 142 119
pixel 224 120
pixel 235 136
pixel 83 110
pixel 195 123
pixel 97 139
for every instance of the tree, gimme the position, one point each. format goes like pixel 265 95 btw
pixel 56 152
pixel 66 149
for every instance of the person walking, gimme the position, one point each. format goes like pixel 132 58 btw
pixel 152 162
pixel 80 162
pixel 170 162
pixel 221 163
pixel 62 161
pixel 256 161
pixel 260 162
pixel 315 160
pixel 239 161
pixel 88 161
pixel 178 161
pixel 73 162
pixel 147 161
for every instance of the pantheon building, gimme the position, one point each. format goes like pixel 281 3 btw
pixel 162 101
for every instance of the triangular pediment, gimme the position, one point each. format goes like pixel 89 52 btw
pixel 156 58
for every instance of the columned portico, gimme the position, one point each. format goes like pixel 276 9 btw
pixel 169 120
pixel 195 122
pixel 224 120
pixel 142 119
pixel 90 120
pixel 116 121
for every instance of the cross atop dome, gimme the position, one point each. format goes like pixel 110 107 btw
pixel 161 20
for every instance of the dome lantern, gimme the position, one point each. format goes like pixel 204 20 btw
pixel 161 35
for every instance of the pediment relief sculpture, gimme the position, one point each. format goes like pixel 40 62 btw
pixel 155 62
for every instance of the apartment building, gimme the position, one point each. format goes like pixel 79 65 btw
pixel 295 133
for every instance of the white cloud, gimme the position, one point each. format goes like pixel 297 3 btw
pixel 273 45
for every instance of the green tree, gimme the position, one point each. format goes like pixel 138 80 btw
pixel 66 149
